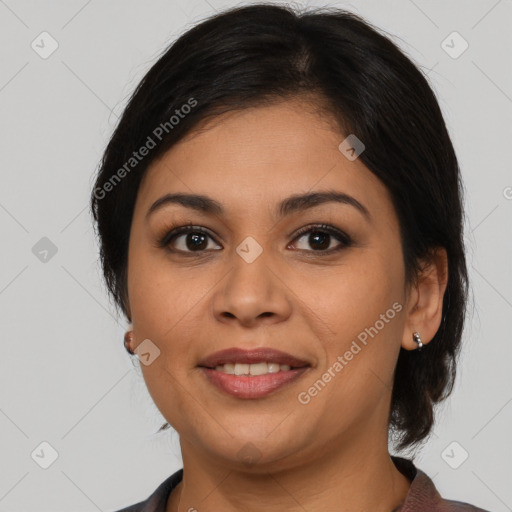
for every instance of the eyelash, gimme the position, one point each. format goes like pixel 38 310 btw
pixel 174 231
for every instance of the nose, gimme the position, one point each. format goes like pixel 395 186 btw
pixel 252 294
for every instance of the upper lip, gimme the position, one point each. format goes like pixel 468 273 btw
pixel 258 355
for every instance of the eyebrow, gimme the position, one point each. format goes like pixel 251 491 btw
pixel 293 204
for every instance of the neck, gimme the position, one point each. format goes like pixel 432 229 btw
pixel 353 478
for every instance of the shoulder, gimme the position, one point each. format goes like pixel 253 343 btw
pixel 423 495
pixel 157 501
pixel 456 506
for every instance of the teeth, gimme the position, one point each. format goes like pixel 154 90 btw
pixel 252 369
pixel 228 368
pixel 273 367
pixel 242 369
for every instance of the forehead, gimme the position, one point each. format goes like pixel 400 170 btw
pixel 254 157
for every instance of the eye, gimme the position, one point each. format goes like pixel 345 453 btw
pixel 320 238
pixel 194 239
pixel 186 239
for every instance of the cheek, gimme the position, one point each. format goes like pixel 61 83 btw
pixel 160 296
pixel 362 305
pixel 178 405
pixel 354 297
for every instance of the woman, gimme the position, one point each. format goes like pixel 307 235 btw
pixel 280 219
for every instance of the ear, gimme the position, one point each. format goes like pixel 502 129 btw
pixel 425 299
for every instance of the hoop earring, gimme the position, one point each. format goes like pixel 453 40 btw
pixel 417 339
pixel 128 338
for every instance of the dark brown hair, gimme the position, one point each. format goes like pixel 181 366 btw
pixel 247 56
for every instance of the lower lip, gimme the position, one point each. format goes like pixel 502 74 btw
pixel 243 386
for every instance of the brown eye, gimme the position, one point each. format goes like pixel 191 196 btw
pixel 194 241
pixel 187 239
pixel 322 239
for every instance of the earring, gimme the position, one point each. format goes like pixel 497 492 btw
pixel 128 338
pixel 417 339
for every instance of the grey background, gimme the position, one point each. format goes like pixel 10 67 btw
pixel 65 377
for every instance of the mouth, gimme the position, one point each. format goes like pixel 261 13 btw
pixel 252 373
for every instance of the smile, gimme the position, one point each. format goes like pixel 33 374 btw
pixel 250 385
pixel 252 369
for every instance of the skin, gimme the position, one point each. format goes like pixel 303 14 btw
pixel 332 453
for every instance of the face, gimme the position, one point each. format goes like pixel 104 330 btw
pixel 322 281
